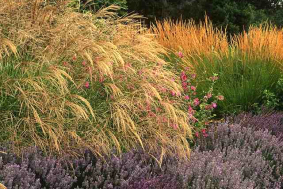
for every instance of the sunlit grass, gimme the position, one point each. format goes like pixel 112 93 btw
pixel 85 81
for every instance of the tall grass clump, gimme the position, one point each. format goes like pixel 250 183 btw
pixel 72 80
pixel 246 67
pixel 190 38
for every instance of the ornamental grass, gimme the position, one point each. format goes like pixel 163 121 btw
pixel 72 80
pixel 247 65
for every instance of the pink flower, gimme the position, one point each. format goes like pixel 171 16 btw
pixel 178 94
pixel 197 134
pixel 83 63
pixel 187 97
pixel 184 84
pixel 214 105
pixel 87 84
pixel 196 101
pixel 193 76
pixel 65 63
pixel 183 76
pixel 174 125
pixel 214 78
pixel 193 88
pixel 203 131
pixel 220 97
pixel 194 93
pixel 74 58
pixel 173 93
pixel 191 111
pixel 209 95
pixel 180 54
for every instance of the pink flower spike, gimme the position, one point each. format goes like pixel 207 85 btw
pixel 214 105
pixel 180 54
pixel 193 88
pixel 187 97
pixel 83 63
pixel 87 84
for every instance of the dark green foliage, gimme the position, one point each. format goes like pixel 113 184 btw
pixel 236 15
pixel 95 5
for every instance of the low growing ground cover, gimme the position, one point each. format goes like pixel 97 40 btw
pixel 231 156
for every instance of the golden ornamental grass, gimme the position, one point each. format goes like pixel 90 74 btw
pixel 86 81
pixel 190 38
pixel 264 41
pixel 2 186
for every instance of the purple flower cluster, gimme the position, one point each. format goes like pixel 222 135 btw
pixel 231 156
pixel 134 169
pixel 272 121
pixel 234 157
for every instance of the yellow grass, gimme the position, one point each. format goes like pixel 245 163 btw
pixel 265 42
pixel 53 113
pixel 2 186
pixel 190 38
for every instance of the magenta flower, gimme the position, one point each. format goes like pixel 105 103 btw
pixel 187 97
pixel 173 93
pixel 193 88
pixel 190 109
pixel 184 84
pixel 197 134
pixel 196 101
pixel 87 84
pixel 214 105
pixel 180 54
pixel 183 77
